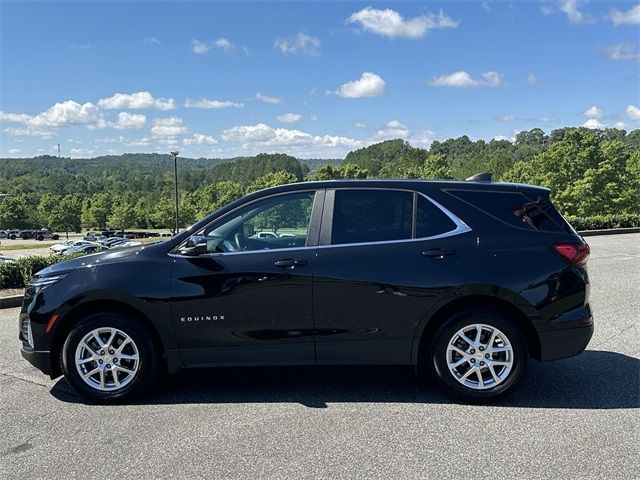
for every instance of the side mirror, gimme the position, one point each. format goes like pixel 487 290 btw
pixel 196 245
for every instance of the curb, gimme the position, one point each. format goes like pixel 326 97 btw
pixel 11 302
pixel 611 231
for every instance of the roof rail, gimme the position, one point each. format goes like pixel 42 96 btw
pixel 480 177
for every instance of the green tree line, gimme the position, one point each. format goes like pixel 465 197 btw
pixel 591 173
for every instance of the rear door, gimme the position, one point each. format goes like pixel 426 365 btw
pixel 385 257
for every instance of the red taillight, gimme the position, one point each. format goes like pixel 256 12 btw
pixel 576 253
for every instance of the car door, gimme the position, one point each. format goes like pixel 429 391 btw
pixel 248 299
pixel 385 258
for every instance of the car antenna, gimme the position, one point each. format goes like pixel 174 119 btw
pixel 480 177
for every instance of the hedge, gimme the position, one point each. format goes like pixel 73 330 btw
pixel 18 274
pixel 604 222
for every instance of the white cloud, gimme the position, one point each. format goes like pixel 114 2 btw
pixel 621 52
pixel 393 129
pixel 462 79
pixel 571 8
pixel 620 125
pixel 82 152
pixel 369 85
pixel 360 125
pixel 390 23
pixel 151 41
pixel 167 130
pixel 593 123
pixel 594 112
pixel 630 17
pixel 14 151
pixel 531 79
pixel 485 6
pixel 200 48
pixel 301 43
pixel 136 101
pixel 505 118
pixel 262 136
pixel 268 99
pixel 289 118
pixel 633 112
pixel 206 103
pixel 501 137
pixel 313 117
pixel 129 121
pixel 200 139
pixel 142 142
pixel 24 132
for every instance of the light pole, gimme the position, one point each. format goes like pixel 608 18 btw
pixel 175 176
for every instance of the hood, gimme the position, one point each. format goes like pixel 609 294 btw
pixel 90 260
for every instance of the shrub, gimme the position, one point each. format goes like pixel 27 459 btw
pixel 603 222
pixel 18 274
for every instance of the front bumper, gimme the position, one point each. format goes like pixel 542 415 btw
pixel 41 359
pixel 570 334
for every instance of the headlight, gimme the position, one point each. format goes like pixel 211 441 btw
pixel 40 283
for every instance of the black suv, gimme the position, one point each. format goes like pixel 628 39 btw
pixel 466 280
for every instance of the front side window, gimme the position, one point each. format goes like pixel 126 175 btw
pixel 371 216
pixel 277 222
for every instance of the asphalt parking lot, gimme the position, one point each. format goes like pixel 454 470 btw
pixel 575 418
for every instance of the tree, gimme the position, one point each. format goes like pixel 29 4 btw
pixel 123 215
pixel 164 214
pixel 436 167
pixel 271 179
pixel 15 213
pixel 337 172
pixel 100 208
pixel 63 213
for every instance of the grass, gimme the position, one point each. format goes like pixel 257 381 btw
pixel 28 246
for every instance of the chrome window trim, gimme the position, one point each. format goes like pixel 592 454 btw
pixel 460 228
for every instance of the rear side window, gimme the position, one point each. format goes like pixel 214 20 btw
pixel 371 216
pixel 515 209
pixel 430 220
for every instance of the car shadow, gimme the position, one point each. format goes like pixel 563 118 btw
pixel 591 380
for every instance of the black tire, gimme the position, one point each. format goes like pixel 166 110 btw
pixel 437 355
pixel 143 379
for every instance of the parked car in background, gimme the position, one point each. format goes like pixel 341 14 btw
pixel 13 234
pixel 110 241
pixel 92 236
pixel 5 259
pixel 63 247
pixel 26 234
pixel 45 234
pixel 3 234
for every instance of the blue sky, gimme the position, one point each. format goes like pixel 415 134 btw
pixel 218 79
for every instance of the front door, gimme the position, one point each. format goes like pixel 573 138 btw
pixel 248 299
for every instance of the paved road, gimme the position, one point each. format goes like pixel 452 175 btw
pixel 576 418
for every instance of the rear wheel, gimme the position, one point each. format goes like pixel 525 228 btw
pixel 109 357
pixel 479 356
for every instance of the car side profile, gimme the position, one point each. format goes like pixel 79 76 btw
pixel 466 280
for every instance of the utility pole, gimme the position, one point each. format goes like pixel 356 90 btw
pixel 175 176
pixel 58 150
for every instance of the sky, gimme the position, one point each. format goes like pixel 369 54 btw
pixel 311 79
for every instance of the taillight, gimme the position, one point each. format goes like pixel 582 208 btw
pixel 575 253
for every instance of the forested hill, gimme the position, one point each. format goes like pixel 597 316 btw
pixel 132 172
pixel 592 173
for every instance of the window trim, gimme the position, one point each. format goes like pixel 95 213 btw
pixel 327 219
pixel 325 198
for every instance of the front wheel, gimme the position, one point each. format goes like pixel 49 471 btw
pixel 109 357
pixel 479 356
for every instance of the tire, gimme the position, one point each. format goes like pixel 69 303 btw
pixel 112 370
pixel 502 370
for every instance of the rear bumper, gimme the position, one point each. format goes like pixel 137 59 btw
pixel 569 336
pixel 41 359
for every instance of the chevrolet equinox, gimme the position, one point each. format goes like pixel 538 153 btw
pixel 463 279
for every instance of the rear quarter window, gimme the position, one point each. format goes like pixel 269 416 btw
pixel 515 209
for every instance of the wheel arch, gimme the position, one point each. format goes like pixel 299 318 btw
pixel 72 317
pixel 469 302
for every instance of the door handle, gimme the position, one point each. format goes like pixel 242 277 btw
pixel 438 253
pixel 289 263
